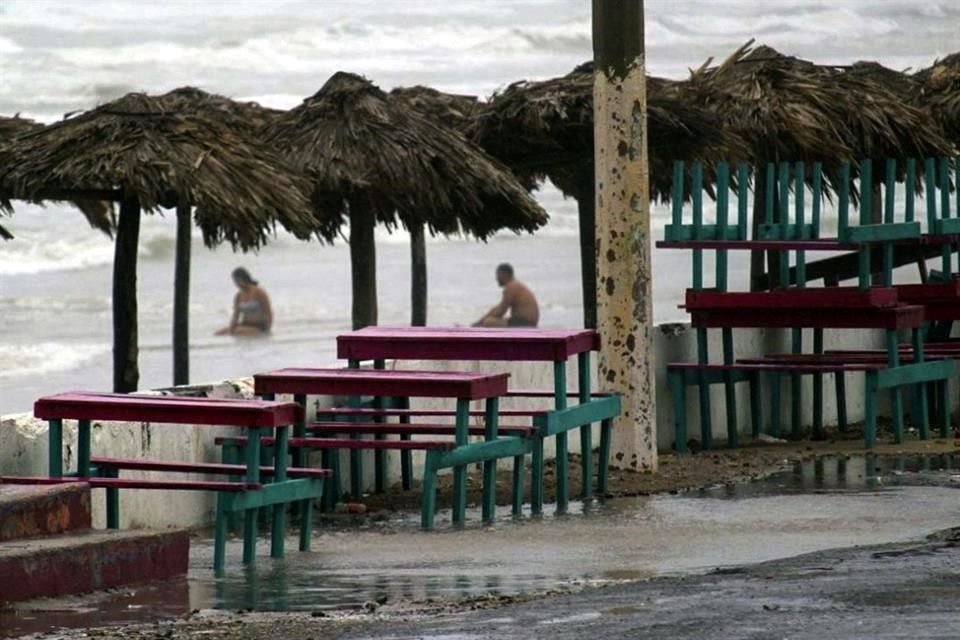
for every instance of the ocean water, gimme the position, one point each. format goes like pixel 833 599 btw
pixel 62 56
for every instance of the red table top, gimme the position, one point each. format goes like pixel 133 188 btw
pixel 85 405
pixel 466 343
pixel 900 317
pixel 373 382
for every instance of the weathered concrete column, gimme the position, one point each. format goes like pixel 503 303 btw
pixel 624 309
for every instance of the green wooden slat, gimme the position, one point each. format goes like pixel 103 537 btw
pixel 930 191
pixel 597 409
pixel 774 232
pixel 843 200
pixel 866 233
pixel 696 189
pixel 916 373
pixel 866 192
pixel 676 199
pixel 692 377
pixel 948 227
pixel 911 186
pixel 799 183
pixel 723 194
pixel 784 220
pixel 817 197
pixel 866 211
pixel 944 172
pixel 278 493
pixel 890 186
pixel 946 250
pixel 742 199
pixel 505 447
pixel 707 232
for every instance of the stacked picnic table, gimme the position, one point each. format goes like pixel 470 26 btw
pixel 921 365
pixel 267 464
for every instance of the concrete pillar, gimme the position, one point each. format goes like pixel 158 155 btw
pixel 624 310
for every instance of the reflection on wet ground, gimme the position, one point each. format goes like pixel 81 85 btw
pixel 821 504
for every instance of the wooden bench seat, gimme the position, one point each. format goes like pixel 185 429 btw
pixel 422 413
pixel 137 483
pixel 816 297
pixel 345 443
pixel 892 318
pixel 211 468
pixel 413 429
pixel 379 382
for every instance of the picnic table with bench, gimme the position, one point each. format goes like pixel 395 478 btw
pixel 255 417
pixel 463 388
pixel 556 346
pixel 870 305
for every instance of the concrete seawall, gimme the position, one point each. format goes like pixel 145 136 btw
pixel 23 439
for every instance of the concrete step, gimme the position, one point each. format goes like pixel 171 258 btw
pixel 31 511
pixel 79 562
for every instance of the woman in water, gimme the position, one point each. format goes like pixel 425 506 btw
pixel 252 314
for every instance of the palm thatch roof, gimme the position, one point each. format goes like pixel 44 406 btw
pixel 546 128
pixel 139 146
pixel 354 141
pixel 940 92
pixel 98 213
pixel 451 109
pixel 901 83
pixel 249 117
pixel 796 110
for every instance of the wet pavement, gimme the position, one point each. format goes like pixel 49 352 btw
pixel 617 546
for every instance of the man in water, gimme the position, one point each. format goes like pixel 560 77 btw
pixel 517 299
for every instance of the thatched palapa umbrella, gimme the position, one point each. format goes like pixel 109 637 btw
pixel 545 129
pixel 373 159
pixel 454 111
pixel 98 214
pixel 136 151
pixel 248 118
pixel 940 92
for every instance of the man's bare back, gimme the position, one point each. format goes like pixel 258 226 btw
pixel 517 299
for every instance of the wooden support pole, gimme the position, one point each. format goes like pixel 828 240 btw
pixel 126 374
pixel 624 310
pixel 363 263
pixel 418 275
pixel 586 208
pixel 181 298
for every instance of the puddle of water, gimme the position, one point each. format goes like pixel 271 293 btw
pixel 822 504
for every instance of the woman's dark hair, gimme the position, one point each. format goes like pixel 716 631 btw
pixel 243 276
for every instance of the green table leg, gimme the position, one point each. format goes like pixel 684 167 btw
pixel 406 456
pixel 562 464
pixel 250 515
pixel 756 405
pixel 945 412
pixel 921 413
pixel 841 391
pixel 730 391
pixel 278 530
pixel 775 384
pixel 586 431
pixel 491 420
pixel 113 501
pixel 356 455
pixel 55 448
pixel 818 431
pixel 896 398
pixel 536 476
pixel 518 473
pixel 83 448
pixel 678 392
pixel 706 417
pixel 796 390
pixel 606 440
pixel 460 471
pixel 428 502
pixel 220 533
pixel 870 420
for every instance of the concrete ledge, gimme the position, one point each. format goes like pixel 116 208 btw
pixel 29 512
pixel 83 562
